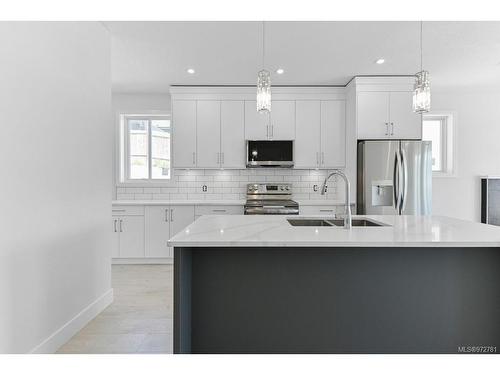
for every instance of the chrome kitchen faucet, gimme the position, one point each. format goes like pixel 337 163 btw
pixel 348 214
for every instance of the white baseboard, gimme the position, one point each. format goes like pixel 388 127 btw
pixel 142 261
pixel 52 343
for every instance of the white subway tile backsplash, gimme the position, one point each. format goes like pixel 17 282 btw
pixel 178 196
pixel 134 190
pixel 152 190
pixel 161 197
pixel 231 184
pixel 125 196
pixel 143 196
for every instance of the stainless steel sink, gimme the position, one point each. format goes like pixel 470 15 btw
pixel 309 223
pixel 357 223
pixel 333 222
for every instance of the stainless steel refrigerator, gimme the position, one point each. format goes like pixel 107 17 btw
pixel 394 178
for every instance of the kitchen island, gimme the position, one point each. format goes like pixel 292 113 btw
pixel 257 284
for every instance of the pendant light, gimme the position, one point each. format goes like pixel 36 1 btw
pixel 421 89
pixel 263 81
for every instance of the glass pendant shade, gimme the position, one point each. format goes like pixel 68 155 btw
pixel 264 91
pixel 422 93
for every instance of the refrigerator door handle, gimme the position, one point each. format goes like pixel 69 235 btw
pixel 404 190
pixel 395 181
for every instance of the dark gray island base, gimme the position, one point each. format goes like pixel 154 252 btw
pixel 336 300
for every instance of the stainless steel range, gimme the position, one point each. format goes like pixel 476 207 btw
pixel 270 199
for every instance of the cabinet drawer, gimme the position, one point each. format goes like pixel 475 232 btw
pixel 218 210
pixel 127 211
pixel 319 210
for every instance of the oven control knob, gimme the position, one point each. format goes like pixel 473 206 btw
pixel 287 188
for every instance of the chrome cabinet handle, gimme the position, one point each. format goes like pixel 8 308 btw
pixel 386 128
pixel 121 229
pixel 325 210
pixel 194 158
pixel 317 158
pixel 171 214
pixel 322 158
pixel 114 225
pixel 166 214
pixel 272 130
pixel 392 128
pixel 222 155
pixel 218 210
pixel 267 131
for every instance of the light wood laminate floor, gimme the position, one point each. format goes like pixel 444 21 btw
pixel 140 318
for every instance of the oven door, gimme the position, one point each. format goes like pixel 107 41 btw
pixel 269 154
pixel 271 210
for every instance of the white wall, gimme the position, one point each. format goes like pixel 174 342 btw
pixel 55 104
pixel 141 102
pixel 478 151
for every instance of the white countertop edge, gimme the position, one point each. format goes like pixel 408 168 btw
pixel 332 244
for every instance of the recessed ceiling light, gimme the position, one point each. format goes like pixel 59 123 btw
pixel 280 71
pixel 380 61
pixel 191 71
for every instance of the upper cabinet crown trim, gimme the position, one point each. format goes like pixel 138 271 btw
pixel 248 93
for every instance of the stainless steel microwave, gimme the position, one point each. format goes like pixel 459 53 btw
pixel 269 154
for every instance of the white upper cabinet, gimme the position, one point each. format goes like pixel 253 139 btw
pixel 373 115
pixel 208 115
pixel 387 115
pixel 282 120
pixel 308 134
pixel 256 124
pixel 184 136
pixel 232 134
pixel 405 124
pixel 320 134
pixel 333 134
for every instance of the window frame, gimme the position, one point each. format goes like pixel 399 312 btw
pixel 448 142
pixel 123 143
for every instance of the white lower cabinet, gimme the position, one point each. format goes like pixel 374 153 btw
pixel 141 233
pixel 163 222
pixel 128 237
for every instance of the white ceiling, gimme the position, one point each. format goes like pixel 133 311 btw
pixel 148 57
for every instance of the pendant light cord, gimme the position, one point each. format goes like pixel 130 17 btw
pixel 263 43
pixel 421 46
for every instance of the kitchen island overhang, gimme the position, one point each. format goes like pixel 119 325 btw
pixel 271 298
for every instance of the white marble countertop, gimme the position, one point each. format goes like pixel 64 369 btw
pixel 269 230
pixel 227 202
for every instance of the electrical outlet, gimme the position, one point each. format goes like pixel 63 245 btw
pixel 204 188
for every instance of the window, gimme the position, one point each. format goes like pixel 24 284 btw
pixel 438 128
pixel 145 148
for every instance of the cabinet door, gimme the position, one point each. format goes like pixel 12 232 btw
pixel 373 115
pixel 283 120
pixel 233 134
pixel 184 133
pixel 180 218
pixel 157 225
pixel 131 236
pixel 208 133
pixel 256 124
pixel 405 124
pixel 333 134
pixel 115 238
pixel 307 142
